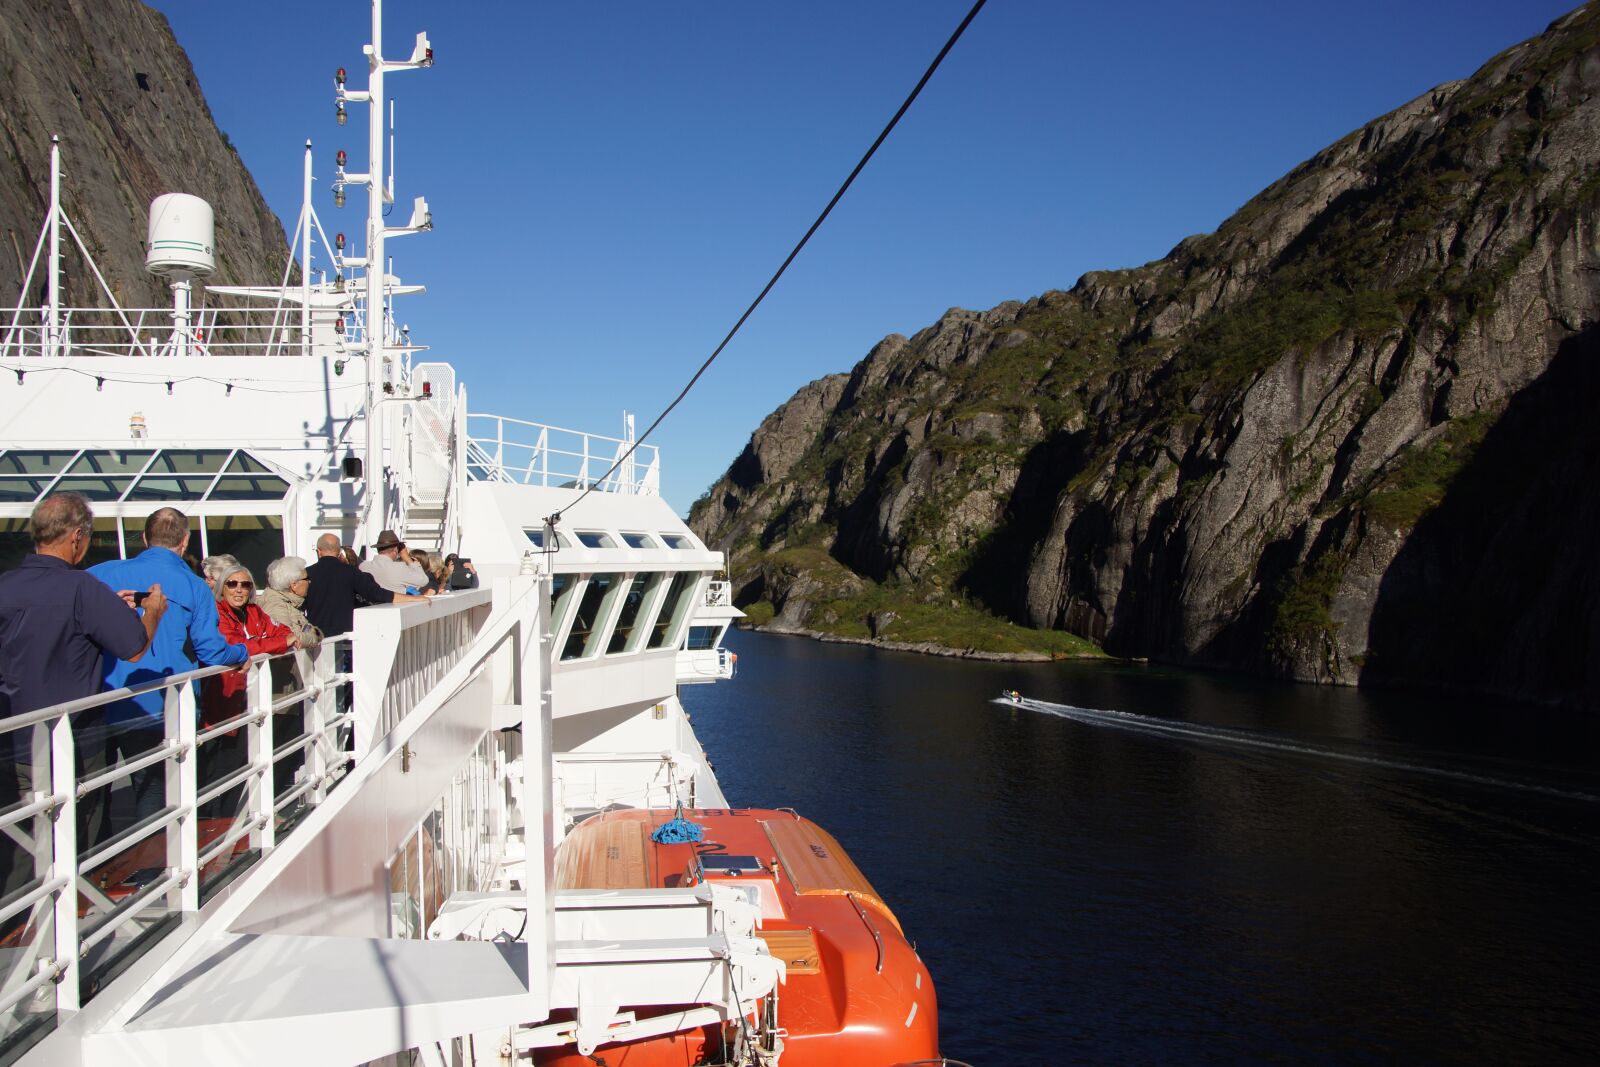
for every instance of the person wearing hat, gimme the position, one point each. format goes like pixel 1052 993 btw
pixel 393 568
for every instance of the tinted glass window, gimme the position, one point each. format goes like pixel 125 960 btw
pixel 638 540
pixel 625 635
pixel 677 541
pixel 536 536
pixel 674 611
pixel 95 488
pixel 255 540
pixel 702 638
pixel 594 539
pixel 101 461
pixel 598 596
pixel 27 461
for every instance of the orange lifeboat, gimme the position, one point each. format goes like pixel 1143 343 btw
pixel 855 992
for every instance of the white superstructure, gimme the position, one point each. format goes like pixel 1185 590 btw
pixel 384 889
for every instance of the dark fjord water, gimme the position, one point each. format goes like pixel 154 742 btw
pixel 1250 873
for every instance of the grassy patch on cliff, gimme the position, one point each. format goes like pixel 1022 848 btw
pixel 1418 481
pixel 893 613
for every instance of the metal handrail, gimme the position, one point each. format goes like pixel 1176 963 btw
pixel 327 741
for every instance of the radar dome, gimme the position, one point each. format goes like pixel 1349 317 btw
pixel 182 231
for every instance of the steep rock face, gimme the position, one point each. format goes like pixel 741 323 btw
pixel 110 80
pixel 1307 444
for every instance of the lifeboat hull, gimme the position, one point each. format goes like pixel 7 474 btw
pixel 855 991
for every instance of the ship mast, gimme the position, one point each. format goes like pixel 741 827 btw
pixel 380 193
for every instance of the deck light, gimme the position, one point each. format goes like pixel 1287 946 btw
pixel 229 388
pixel 169 388
pixel 19 377
pixel 338 113
pixel 99 384
pixel 338 196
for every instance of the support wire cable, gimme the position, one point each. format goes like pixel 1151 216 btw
pixel 927 75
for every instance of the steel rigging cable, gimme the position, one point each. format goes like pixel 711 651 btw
pixel 860 166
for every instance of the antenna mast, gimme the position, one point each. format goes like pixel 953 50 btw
pixel 376 506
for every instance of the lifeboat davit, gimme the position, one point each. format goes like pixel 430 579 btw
pixel 855 991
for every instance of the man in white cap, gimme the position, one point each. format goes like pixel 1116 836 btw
pixel 393 567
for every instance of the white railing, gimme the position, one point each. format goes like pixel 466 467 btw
pixel 272 330
pixel 530 453
pixel 587 782
pixel 401 656
pixel 86 900
pixel 85 906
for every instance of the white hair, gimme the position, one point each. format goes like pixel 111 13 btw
pixel 216 568
pixel 282 573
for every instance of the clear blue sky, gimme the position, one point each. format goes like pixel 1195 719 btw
pixel 612 182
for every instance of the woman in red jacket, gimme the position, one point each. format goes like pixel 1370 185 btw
pixel 226 696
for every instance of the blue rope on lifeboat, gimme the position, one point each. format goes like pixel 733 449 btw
pixel 677 831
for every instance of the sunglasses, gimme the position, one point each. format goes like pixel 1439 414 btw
pixel 231 584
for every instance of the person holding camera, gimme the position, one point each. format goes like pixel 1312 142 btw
pixel 56 625
pixel 392 567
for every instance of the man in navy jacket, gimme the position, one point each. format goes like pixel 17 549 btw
pixel 137 724
pixel 56 624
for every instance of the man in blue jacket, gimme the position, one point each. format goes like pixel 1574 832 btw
pixel 137 725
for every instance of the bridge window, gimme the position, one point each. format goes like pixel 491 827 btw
pixel 677 541
pixel 595 539
pixel 674 610
pixel 536 537
pixel 638 540
pixel 599 595
pixel 626 635
pixel 702 638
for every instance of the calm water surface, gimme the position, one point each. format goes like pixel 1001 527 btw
pixel 1287 875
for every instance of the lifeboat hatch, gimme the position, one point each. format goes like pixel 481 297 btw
pixel 732 865
pixel 796 948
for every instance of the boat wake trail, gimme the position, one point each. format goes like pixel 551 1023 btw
pixel 1251 739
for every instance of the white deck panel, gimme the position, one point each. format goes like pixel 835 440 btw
pixel 349 999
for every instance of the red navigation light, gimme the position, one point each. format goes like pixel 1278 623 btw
pixel 338 76
pixel 427 57
pixel 340 158
pixel 338 241
pixel 427 390
pixel 338 324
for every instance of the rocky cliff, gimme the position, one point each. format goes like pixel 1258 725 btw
pixel 1348 437
pixel 109 78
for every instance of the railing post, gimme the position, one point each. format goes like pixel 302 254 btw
pixel 183 774
pixel 260 744
pixel 64 781
pixel 322 706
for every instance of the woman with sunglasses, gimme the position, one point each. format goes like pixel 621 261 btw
pixel 225 696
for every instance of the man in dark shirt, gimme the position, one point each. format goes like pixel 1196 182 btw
pixel 335 585
pixel 56 624
pixel 331 600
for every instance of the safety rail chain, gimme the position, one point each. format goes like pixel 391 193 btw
pixel 271 329
pixel 56 939
pixel 532 453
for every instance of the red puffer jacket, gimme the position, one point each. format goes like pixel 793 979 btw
pixel 224 695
